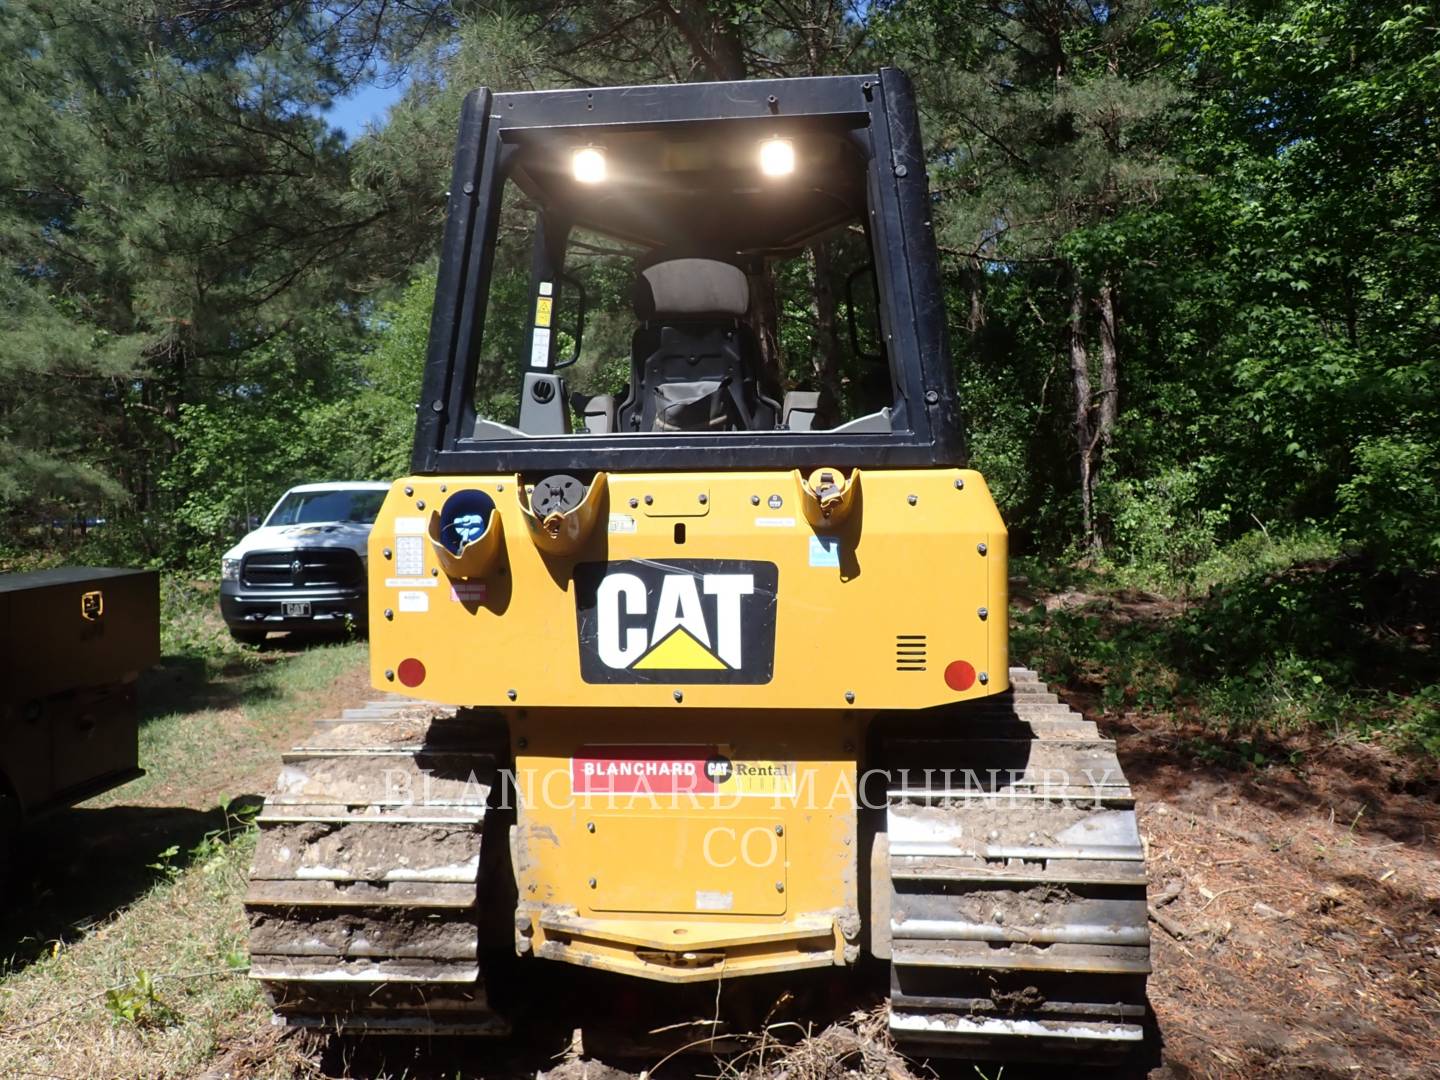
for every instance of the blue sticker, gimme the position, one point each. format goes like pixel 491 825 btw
pixel 825 551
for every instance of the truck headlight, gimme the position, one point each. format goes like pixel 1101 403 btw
pixel 229 569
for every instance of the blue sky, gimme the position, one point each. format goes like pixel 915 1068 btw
pixel 366 105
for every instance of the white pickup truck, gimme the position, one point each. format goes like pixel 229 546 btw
pixel 304 567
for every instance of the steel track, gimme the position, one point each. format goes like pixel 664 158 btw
pixel 1015 884
pixel 365 895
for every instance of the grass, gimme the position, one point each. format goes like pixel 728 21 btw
pixel 244 702
pixel 154 992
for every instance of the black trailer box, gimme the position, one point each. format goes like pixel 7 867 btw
pixel 77 639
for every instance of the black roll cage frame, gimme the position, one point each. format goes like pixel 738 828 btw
pixel 925 419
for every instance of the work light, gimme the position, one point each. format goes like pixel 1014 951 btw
pixel 588 165
pixel 777 157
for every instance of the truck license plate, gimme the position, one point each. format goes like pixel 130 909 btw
pixel 295 609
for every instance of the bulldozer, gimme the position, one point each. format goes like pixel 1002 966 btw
pixel 694 671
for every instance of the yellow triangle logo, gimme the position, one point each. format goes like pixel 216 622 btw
pixel 679 652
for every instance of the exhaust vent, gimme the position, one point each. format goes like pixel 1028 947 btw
pixel 909 652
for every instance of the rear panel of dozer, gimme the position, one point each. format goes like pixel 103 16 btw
pixel 686 691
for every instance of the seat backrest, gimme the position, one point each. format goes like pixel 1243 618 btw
pixel 694 360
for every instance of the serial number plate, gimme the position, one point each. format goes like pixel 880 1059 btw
pixel 295 609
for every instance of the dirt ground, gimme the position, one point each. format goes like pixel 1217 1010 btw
pixel 1297 934
pixel 1303 936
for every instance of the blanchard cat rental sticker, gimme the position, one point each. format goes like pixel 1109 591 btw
pixel 677 770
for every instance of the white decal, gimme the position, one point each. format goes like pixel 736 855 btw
pixel 774 523
pixel 409 525
pixel 622 523
pixel 409 556
pixel 714 901
pixel 540 348
pixel 825 551
pixel 414 601
pixel 608 611
pixel 410 583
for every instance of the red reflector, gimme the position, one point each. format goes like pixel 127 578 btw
pixel 412 672
pixel 958 675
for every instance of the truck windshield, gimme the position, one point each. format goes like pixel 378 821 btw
pixel 313 507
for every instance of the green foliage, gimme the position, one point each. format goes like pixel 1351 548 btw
pixel 139 1003
pixel 1160 522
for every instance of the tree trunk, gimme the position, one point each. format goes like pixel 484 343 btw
pixel 826 360
pixel 1109 405
pixel 1084 429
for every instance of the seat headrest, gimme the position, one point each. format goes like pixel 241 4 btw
pixel 691 288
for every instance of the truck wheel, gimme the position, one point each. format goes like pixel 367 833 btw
pixel 246 636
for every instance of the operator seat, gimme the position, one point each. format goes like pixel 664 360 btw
pixel 694 363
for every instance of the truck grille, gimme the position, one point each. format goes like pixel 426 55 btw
pixel 305 568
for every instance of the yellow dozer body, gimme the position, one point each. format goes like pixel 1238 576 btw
pixel 705 675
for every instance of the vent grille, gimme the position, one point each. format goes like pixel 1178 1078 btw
pixel 909 652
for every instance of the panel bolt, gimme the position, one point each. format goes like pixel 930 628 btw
pixel 634 502
pixel 389 675
pixel 437 405
pixel 981 548
pixel 511 694
pixel 850 697
pixel 444 488
pixel 385 552
pixel 704 499
pixel 912 499
pixel 932 397
pixel 779 830
pixel 522 742
pixel 589 826
pixel 499 487
pixel 984 614
pixel 779 886
pixel 679 695
pixel 959 483
pixel 409 490
pixel 434 571
pixel 901 171
pixel 649 500
pixel 389 614
pixel 754 500
pixel 984 678
pixel 592 883
pixel 419 504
